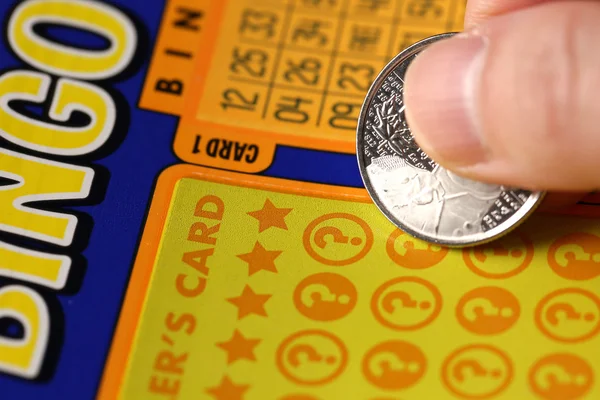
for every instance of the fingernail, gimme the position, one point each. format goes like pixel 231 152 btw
pixel 441 87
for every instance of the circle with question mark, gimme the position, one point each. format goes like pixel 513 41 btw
pixel 338 239
pixel 561 376
pixel 312 357
pixel 569 315
pixel 325 296
pixel 501 259
pixel 575 256
pixel 412 253
pixel 394 365
pixel 488 310
pixel 477 372
pixel 406 303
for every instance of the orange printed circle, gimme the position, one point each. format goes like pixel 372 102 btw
pixel 406 303
pixel 394 365
pixel 317 246
pixel 569 315
pixel 477 372
pixel 488 310
pixel 325 296
pixel 561 377
pixel 514 250
pixel 417 254
pixel 312 357
pixel 575 256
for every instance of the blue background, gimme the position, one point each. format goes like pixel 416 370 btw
pixel 91 309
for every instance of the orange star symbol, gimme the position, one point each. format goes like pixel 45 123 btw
pixel 270 216
pixel 239 347
pixel 227 390
pixel 260 259
pixel 250 303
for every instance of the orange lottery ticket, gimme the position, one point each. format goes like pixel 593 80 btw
pixel 249 287
pixel 262 73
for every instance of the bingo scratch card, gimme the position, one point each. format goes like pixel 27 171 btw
pixel 182 217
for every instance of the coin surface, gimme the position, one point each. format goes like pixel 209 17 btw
pixel 415 193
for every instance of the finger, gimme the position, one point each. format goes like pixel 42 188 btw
pixel 479 11
pixel 515 103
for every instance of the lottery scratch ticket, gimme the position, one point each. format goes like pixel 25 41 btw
pixel 305 291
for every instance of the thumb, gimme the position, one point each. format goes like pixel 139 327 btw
pixel 514 102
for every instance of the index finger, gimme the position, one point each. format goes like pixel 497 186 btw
pixel 479 11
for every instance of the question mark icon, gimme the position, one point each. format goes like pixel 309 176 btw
pixel 311 357
pixel 498 250
pixel 554 375
pixel 406 303
pixel 569 315
pixel 310 353
pixel 561 376
pixel 502 259
pixel 411 253
pixel 575 256
pixel 314 294
pixel 337 235
pixel 481 307
pixel 391 364
pixel 338 239
pixel 568 311
pixel 394 365
pixel 488 310
pixel 390 300
pixel 476 369
pixel 325 296
pixel 570 253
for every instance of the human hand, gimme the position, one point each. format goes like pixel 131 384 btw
pixel 515 99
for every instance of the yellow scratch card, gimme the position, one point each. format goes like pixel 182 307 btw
pixel 257 288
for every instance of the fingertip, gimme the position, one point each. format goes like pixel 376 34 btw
pixel 439 94
pixel 521 110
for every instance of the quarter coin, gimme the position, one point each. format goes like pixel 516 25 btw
pixel 415 193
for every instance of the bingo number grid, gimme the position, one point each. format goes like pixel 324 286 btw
pixel 302 67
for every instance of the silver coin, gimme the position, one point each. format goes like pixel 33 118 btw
pixel 415 193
